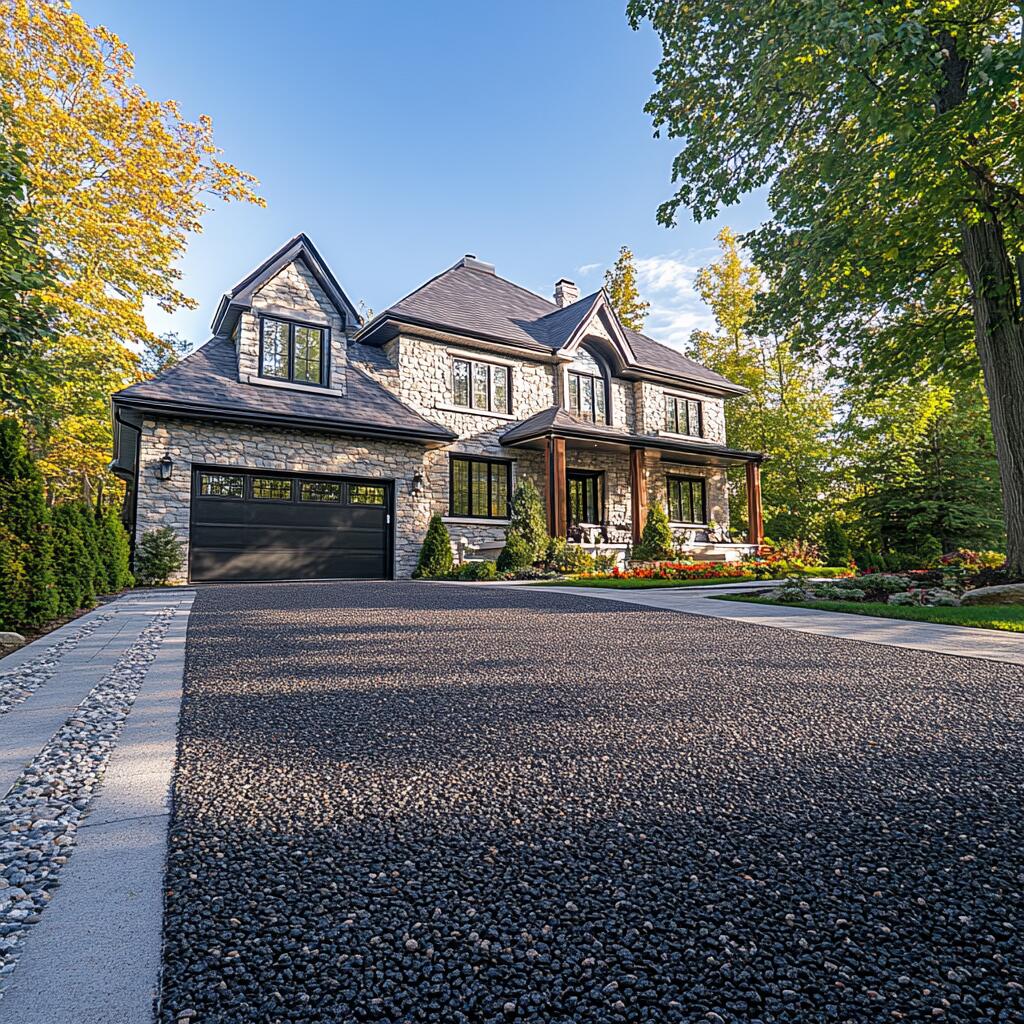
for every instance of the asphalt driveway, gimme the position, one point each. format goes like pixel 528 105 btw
pixel 416 802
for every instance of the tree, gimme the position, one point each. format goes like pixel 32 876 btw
pixel 656 541
pixel 517 553
pixel 159 556
pixel 787 412
pixel 892 141
pixel 25 318
pixel 162 352
pixel 526 518
pixel 620 283
pixel 117 186
pixel 436 554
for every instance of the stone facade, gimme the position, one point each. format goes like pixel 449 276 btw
pixel 419 371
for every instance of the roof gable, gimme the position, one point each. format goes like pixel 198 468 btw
pixel 300 249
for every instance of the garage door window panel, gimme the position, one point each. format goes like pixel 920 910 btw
pixel 221 485
pixel 365 494
pixel 319 490
pixel 271 488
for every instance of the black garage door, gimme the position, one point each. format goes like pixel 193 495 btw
pixel 274 526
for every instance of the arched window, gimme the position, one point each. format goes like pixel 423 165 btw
pixel 587 394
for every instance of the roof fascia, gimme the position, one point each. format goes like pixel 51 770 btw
pixel 602 307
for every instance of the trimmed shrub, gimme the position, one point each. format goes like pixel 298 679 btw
pixel 116 552
pixel 159 556
pixel 518 552
pixel 436 554
pixel 577 560
pixel 554 556
pixel 476 572
pixel 527 518
pixel 837 544
pixel 70 560
pixel 14 586
pixel 656 542
pixel 89 530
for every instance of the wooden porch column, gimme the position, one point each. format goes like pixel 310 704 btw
pixel 755 529
pixel 554 452
pixel 638 490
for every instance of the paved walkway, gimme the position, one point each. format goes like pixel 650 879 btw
pixel 95 953
pixel 960 641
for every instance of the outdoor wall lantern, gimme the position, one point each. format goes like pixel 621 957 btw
pixel 417 483
pixel 165 467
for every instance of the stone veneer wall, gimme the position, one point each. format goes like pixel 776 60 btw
pixel 292 293
pixel 716 486
pixel 650 405
pixel 188 442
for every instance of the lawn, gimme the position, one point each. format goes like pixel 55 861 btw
pixel 1004 617
pixel 623 583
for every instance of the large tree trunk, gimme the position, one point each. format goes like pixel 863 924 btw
pixel 999 337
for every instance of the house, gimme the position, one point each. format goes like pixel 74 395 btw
pixel 299 443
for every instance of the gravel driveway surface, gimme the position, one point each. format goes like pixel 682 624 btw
pixel 414 802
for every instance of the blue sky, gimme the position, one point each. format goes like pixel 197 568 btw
pixel 400 135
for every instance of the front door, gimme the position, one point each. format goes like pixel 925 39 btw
pixel 585 493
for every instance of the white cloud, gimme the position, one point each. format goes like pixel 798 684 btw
pixel 588 268
pixel 666 282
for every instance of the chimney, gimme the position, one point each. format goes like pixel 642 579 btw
pixel 566 293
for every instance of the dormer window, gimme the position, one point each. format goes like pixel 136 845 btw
pixel 293 351
pixel 587 388
pixel 684 416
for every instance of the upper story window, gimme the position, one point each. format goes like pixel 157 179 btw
pixel 293 351
pixel 684 416
pixel 587 388
pixel 481 386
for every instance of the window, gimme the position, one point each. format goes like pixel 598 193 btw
pixel 271 488
pixel 480 487
pixel 295 352
pixel 684 416
pixel 319 490
pixel 221 485
pixel 686 501
pixel 585 496
pixel 588 388
pixel 365 494
pixel 481 386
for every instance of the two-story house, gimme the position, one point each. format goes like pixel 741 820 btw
pixel 298 443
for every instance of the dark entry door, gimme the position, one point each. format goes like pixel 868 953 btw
pixel 248 526
pixel 585 498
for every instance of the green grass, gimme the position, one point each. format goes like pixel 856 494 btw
pixel 632 584
pixel 1009 618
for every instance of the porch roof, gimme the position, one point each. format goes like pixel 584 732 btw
pixel 557 422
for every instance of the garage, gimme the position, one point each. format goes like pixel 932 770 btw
pixel 249 526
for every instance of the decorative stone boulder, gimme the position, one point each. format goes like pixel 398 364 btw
pixel 11 639
pixel 1007 593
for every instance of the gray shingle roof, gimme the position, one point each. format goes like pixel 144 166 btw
pixel 206 383
pixel 465 299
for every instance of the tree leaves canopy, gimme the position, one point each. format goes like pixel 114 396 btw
pixel 620 283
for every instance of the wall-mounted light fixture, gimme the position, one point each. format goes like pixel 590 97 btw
pixel 164 468
pixel 417 482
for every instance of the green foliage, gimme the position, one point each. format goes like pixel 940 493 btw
pixel 435 555
pixel 565 557
pixel 837 544
pixel 554 556
pixel 620 283
pixel 656 541
pixel 88 530
pixel 475 572
pixel 14 582
pixel 892 139
pixel 929 552
pixel 159 556
pixel 518 552
pixel 71 560
pixel 116 553
pixel 527 518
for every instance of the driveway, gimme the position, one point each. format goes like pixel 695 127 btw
pixel 413 802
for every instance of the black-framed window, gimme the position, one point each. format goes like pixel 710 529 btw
pixel 588 388
pixel 585 496
pixel 293 351
pixel 319 490
pixel 684 416
pixel 480 488
pixel 482 386
pixel 687 499
pixel 366 494
pixel 221 485
pixel 270 488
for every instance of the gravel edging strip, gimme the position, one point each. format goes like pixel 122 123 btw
pixel 40 815
pixel 18 684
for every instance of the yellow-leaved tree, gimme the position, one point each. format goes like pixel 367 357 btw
pixel 117 184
